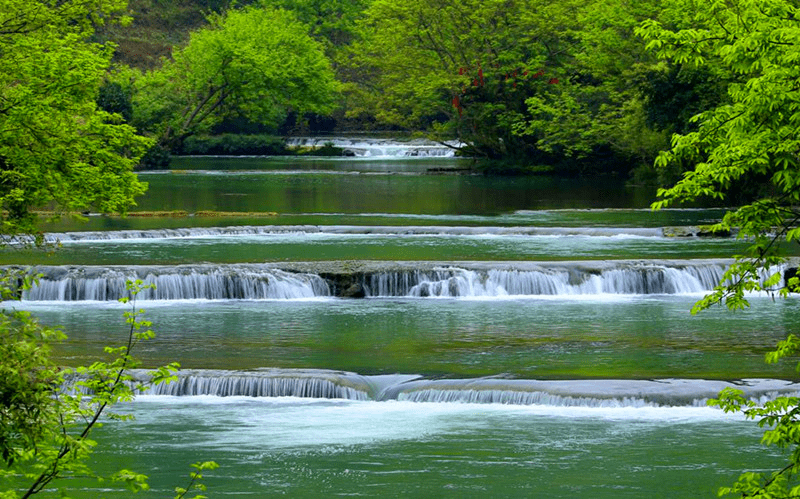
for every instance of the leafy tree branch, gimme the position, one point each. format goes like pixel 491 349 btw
pixel 746 151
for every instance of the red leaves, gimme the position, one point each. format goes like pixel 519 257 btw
pixel 457 105
pixel 480 81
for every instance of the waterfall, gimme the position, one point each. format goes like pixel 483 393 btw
pixel 260 383
pixel 325 384
pixel 230 384
pixel 581 393
pixel 176 283
pixel 270 230
pixel 380 148
pixel 511 397
pixel 626 279
pixel 412 280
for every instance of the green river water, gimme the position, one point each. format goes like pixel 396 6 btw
pixel 593 441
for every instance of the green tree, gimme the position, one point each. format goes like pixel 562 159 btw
pixel 531 80
pixel 48 412
pixel 462 69
pixel 58 150
pixel 255 63
pixel 746 151
pixel 598 111
pixel 331 22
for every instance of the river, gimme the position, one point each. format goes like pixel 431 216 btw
pixel 517 337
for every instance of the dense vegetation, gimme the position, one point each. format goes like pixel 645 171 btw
pixel 56 145
pixel 532 85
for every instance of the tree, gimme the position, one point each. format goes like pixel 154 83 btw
pixel 598 109
pixel 57 149
pixel 256 63
pixel 331 22
pixel 746 150
pixel 462 69
pixel 533 81
pixel 26 380
pixel 48 412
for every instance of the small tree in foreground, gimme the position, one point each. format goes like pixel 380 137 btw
pixel 48 412
pixel 746 152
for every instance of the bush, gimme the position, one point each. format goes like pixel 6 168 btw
pixel 233 145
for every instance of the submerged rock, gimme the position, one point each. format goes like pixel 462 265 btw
pixel 355 290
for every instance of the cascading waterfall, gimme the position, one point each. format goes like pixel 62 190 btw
pixel 271 230
pixel 258 282
pixel 380 148
pixel 581 393
pixel 512 397
pixel 265 384
pixel 324 384
pixel 628 279
pixel 176 283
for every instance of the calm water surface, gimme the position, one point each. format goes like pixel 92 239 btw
pixel 602 337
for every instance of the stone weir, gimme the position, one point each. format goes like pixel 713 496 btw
pixel 359 279
pixel 325 384
pixel 362 279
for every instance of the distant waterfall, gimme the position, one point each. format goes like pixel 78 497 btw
pixel 176 283
pixel 380 148
pixel 626 279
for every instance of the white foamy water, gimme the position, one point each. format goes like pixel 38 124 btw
pixel 414 280
pixel 372 148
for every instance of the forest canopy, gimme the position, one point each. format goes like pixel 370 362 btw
pixel 532 85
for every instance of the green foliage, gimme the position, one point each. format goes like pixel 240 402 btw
pixel 231 144
pixel 56 146
pixel 448 66
pixel 195 478
pixel 331 22
pixel 745 151
pixel 26 383
pixel 113 98
pixel 597 103
pixel 48 412
pixel 255 63
pixel 535 80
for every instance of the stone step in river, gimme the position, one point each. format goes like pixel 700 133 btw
pixel 378 279
pixel 326 384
